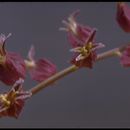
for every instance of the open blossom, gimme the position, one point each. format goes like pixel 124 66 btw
pixel 12 102
pixel 12 66
pixel 41 69
pixel 123 16
pixel 82 41
pixel 125 57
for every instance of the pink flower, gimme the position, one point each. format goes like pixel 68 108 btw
pixel 82 40
pixel 41 69
pixel 12 66
pixel 123 16
pixel 125 57
pixel 12 102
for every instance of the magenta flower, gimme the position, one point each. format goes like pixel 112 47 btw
pixel 12 102
pixel 125 57
pixel 123 16
pixel 82 40
pixel 41 69
pixel 12 66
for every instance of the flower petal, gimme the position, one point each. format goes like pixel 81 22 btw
pixel 13 69
pixel 86 62
pixel 3 38
pixel 123 16
pixel 31 53
pixel 77 33
pixel 83 32
pixel 73 40
pixel 125 57
pixel 43 70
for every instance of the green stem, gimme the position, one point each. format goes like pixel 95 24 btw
pixel 73 68
pixel 53 78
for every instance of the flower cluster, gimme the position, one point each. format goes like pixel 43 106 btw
pixel 13 72
pixel 83 43
pixel 13 68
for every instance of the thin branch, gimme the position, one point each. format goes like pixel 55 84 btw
pixel 73 68
pixel 111 53
pixel 53 78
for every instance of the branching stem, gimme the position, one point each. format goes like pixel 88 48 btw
pixel 73 68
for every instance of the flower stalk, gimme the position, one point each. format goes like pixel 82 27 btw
pixel 112 52
pixel 53 78
pixel 74 68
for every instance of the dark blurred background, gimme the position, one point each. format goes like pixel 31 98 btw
pixel 87 98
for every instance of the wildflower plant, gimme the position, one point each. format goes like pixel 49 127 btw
pixel 84 46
